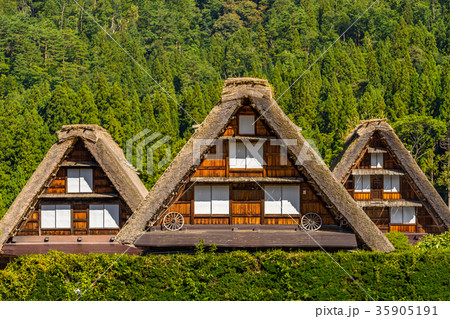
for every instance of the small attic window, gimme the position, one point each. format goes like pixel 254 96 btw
pixel 80 180
pixel 376 160
pixel 246 124
pixel 243 158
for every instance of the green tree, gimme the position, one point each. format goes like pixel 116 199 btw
pixel 63 108
pixel 89 111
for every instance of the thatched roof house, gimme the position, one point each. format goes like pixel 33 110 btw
pixel 252 95
pixel 407 184
pixel 108 178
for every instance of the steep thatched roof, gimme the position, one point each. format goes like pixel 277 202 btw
pixel 105 151
pixel 258 94
pixel 359 139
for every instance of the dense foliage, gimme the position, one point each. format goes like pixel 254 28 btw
pixel 273 275
pixel 441 241
pixel 57 66
pixel 399 240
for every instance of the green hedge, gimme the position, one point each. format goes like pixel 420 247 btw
pixel 239 275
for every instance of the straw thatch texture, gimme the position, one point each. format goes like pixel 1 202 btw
pixel 357 142
pixel 258 93
pixel 105 151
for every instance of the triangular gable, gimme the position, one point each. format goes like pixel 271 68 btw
pixel 104 151
pixel 359 140
pixel 259 95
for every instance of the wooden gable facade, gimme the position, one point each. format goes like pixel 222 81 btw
pixel 245 188
pixel 383 186
pixel 77 200
pixel 247 178
pixel 82 205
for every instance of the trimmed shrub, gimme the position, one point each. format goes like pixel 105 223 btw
pixel 237 275
pixel 399 241
pixel 441 241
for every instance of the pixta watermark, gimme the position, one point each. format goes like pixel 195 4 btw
pixel 146 144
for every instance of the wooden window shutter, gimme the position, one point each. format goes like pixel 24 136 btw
pixel 246 124
pixel 202 199
pixel 220 199
pixel 63 216
pixel 272 199
pixel 290 199
pixel 111 216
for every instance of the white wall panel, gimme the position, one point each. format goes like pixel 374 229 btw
pixel 291 199
pixel 48 216
pixel 220 199
pixel 376 160
pixel 358 183
pixel 96 216
pixel 396 215
pixel 255 162
pixel 395 183
pixel 202 199
pixel 237 155
pixel 86 180
pixel 63 216
pixel 111 216
pixel 73 180
pixel 409 215
pixel 272 199
pixel 366 183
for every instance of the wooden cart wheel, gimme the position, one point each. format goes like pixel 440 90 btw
pixel 311 221
pixel 173 221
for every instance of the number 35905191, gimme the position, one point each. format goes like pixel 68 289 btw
pixel 406 310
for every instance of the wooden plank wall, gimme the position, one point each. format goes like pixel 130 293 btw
pixel 425 223
pixel 80 153
pixel 381 216
pixel 388 161
pixel 80 221
pixel 80 209
pixel 102 184
pixel 247 207
pixel 271 156
pixel 247 200
pixel 233 128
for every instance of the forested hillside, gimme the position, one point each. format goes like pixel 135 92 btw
pixel 57 66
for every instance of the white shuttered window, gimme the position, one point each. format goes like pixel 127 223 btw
pixel 391 183
pixel 242 157
pixel 80 180
pixel 104 216
pixel 211 199
pixel 376 160
pixel 362 183
pixel 55 216
pixel 282 199
pixel 246 124
pixel 403 215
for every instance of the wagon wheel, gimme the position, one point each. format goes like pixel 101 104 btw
pixel 311 221
pixel 173 221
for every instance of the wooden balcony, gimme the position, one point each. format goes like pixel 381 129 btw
pixel 376 194
pixel 248 237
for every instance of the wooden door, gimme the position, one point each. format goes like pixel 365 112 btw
pixel 376 187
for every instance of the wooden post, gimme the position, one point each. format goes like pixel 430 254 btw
pixel 262 211
pixel 192 212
